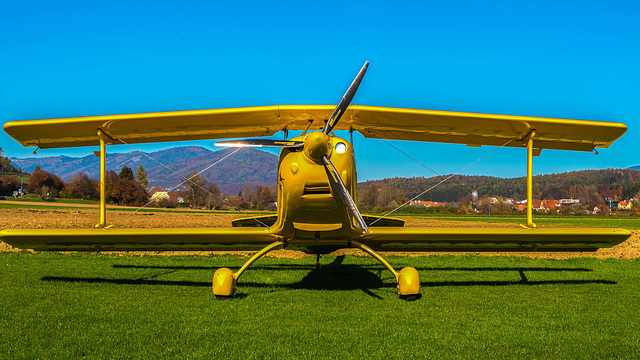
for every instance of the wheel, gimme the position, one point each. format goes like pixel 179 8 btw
pixel 408 282
pixel 224 283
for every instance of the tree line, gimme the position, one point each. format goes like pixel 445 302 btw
pixel 129 188
pixel 590 186
pixel 594 188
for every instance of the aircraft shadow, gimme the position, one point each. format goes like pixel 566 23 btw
pixel 337 276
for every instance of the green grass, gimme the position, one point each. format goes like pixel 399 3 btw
pixel 626 222
pixel 37 198
pixel 102 306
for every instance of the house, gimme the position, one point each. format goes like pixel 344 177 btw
pixel 157 193
pixel 425 203
pixel 551 205
pixel 176 196
pixel 568 202
pixel 625 205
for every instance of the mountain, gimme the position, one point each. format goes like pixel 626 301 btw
pixel 246 166
pixel 637 167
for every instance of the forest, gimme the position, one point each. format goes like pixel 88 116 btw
pixel 591 187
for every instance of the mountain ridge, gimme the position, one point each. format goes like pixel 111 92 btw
pixel 246 166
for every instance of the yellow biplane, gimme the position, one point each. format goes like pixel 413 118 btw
pixel 317 181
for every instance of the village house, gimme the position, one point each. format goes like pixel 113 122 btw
pixel 625 205
pixel 425 203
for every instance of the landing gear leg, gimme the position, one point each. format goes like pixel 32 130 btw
pixel 318 262
pixel 225 280
pixel 408 279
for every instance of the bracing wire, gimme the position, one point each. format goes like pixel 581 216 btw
pixel 442 181
pixel 186 179
pixel 435 172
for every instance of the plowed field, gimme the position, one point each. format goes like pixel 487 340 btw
pixel 40 218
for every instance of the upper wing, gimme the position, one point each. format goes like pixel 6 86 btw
pixel 376 122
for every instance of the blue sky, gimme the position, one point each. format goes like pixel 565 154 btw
pixel 546 58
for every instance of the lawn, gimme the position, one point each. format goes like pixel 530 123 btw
pixel 109 306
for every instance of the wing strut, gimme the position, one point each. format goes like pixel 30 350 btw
pixel 530 223
pixel 103 180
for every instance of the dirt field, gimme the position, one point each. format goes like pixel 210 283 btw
pixel 33 218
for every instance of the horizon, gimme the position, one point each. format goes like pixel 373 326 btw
pixel 544 59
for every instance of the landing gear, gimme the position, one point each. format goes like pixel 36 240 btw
pixel 224 283
pixel 408 279
pixel 409 284
pixel 317 267
pixel 225 280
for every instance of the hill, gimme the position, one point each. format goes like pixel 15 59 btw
pixel 637 167
pixel 247 165
pixel 588 185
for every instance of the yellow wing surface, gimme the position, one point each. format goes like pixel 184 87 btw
pixel 374 122
pixel 379 239
pixel 174 239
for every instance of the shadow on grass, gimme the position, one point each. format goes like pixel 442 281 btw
pixel 336 276
pixel 283 267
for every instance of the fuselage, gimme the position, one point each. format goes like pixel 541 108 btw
pixel 308 207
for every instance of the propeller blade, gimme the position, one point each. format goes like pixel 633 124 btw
pixel 260 143
pixel 346 100
pixel 338 186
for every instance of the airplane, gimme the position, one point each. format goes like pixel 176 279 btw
pixel 316 184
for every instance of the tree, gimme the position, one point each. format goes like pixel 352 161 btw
pixel 388 193
pixel 84 187
pixel 40 179
pixel 5 163
pixel 370 196
pixel 124 191
pixel 214 198
pixel 9 184
pixel 266 197
pixel 141 176
pixel 246 192
pixel 196 193
pixel 126 173
pixel 255 195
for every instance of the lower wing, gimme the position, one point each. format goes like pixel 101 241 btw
pixel 379 239
pixel 493 239
pixel 176 239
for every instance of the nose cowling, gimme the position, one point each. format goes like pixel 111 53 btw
pixel 316 145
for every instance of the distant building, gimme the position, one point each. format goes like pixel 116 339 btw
pixel 569 202
pixel 176 196
pixel 625 205
pixel 158 193
pixel 425 203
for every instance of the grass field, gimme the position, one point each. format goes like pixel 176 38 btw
pixel 109 306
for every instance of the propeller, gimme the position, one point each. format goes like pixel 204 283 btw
pixel 332 173
pixel 338 186
pixel 346 100
pixel 317 146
